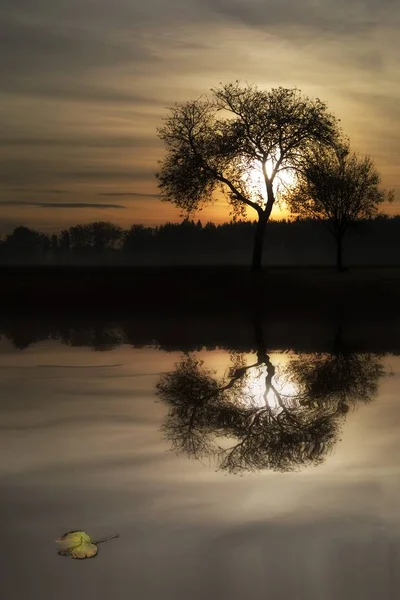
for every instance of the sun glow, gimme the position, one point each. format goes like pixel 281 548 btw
pixel 255 180
pixel 256 187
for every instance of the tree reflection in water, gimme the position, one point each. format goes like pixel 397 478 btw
pixel 264 417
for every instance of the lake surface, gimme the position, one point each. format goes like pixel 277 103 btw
pixel 98 440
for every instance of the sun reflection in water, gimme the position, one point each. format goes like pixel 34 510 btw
pixel 258 391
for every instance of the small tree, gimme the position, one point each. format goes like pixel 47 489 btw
pixel 339 188
pixel 239 141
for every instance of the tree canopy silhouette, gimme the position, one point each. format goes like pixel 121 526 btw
pixel 99 236
pixel 25 243
pixel 239 141
pixel 339 188
pixel 257 418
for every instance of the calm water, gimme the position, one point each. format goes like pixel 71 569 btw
pixel 86 443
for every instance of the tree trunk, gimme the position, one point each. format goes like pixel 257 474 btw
pixel 258 244
pixel 339 253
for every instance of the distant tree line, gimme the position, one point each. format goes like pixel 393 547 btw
pixel 299 242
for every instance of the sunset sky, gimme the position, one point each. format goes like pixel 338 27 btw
pixel 86 83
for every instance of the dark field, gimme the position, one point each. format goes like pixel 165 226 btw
pixel 202 289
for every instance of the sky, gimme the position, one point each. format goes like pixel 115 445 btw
pixel 86 83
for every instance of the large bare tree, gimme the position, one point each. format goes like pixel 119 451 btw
pixel 239 140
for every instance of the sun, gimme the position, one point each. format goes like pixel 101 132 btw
pixel 254 187
pixel 255 182
pixel 284 179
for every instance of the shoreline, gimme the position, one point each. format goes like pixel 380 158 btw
pixel 188 333
pixel 189 308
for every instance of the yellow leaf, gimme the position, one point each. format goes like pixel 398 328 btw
pixel 78 544
pixel 85 550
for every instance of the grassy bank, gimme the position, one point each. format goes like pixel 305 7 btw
pixel 202 290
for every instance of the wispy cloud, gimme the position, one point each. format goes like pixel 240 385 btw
pixel 106 175
pixel 132 194
pixel 60 204
pixel 323 18
pixel 82 141
pixel 39 171
pixel 36 191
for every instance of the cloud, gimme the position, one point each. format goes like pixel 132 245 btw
pixel 42 171
pixel 105 175
pixel 324 17
pixel 103 15
pixel 37 191
pixel 60 204
pixel 51 47
pixel 38 48
pixel 132 194
pixel 61 366
pixel 85 140
pixel 58 87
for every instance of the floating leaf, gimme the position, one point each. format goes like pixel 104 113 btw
pixel 78 544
